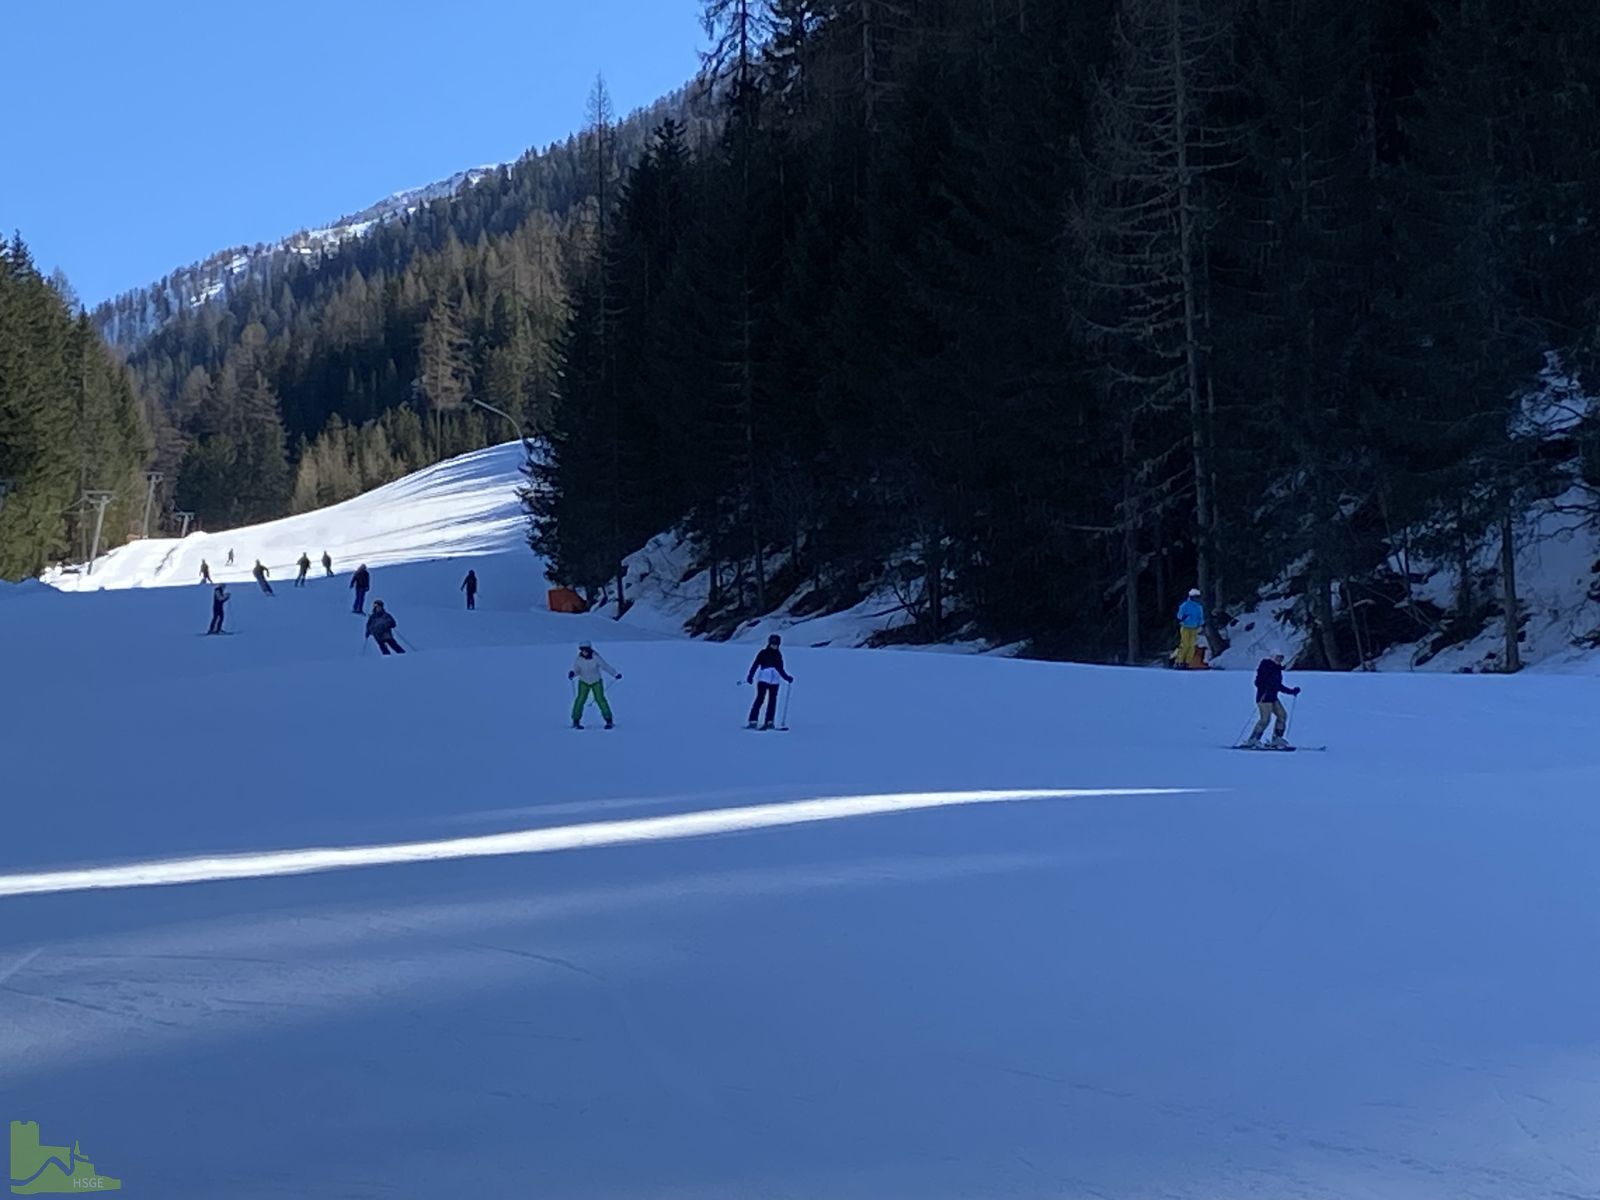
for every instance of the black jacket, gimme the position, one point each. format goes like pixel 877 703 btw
pixel 1269 682
pixel 361 581
pixel 770 656
pixel 470 583
pixel 380 625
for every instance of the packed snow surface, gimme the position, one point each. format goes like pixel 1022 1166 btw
pixel 283 918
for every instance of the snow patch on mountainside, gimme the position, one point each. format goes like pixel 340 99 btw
pixel 191 287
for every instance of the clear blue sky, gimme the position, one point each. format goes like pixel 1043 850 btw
pixel 142 135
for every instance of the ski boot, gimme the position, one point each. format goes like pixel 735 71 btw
pixel 766 725
pixel 752 725
pixel 577 724
pixel 1278 743
pixel 610 724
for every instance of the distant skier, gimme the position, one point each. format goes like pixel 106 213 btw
pixel 327 565
pixel 1269 686
pixel 765 673
pixel 586 670
pixel 205 571
pixel 230 558
pixel 1191 620
pixel 305 565
pixel 260 572
pixel 470 586
pixel 361 581
pixel 380 628
pixel 219 598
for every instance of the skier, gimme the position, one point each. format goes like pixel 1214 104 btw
pixel 219 597
pixel 327 564
pixel 260 572
pixel 230 558
pixel 1191 620
pixel 362 582
pixel 305 565
pixel 470 586
pixel 765 673
pixel 1269 685
pixel 205 571
pixel 380 627
pixel 586 670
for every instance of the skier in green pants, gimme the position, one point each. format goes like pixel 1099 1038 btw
pixel 586 670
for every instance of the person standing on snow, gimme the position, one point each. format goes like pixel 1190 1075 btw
pixel 1191 620
pixel 260 572
pixel 361 581
pixel 380 628
pixel 327 564
pixel 305 565
pixel 470 586
pixel 230 558
pixel 1269 686
pixel 205 571
pixel 765 673
pixel 586 670
pixel 219 598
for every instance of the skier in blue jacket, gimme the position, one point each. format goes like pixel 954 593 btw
pixel 1191 620
pixel 1269 686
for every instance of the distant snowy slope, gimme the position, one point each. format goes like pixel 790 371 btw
pixel 463 506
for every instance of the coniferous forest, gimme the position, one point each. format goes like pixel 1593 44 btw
pixel 1030 314
pixel 1040 314
pixel 70 424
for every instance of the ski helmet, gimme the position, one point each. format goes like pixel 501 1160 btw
pixel 585 646
pixel 1194 593
pixel 774 640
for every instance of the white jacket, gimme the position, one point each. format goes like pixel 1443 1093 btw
pixel 588 669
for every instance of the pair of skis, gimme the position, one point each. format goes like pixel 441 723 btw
pixel 1260 749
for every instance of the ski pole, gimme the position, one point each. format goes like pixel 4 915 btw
pixel 783 719
pixel 1248 721
pixel 1294 702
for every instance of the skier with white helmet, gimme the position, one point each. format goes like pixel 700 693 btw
pixel 1191 620
pixel 586 670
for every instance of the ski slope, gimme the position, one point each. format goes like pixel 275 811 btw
pixel 282 918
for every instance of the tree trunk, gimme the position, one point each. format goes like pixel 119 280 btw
pixel 1464 605
pixel 1508 584
pixel 1322 614
pixel 1130 546
pixel 1191 333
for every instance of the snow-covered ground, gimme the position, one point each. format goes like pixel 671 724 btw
pixel 279 918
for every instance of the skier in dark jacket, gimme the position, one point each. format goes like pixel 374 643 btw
pixel 327 565
pixel 765 673
pixel 219 598
pixel 1269 686
pixel 470 586
pixel 205 571
pixel 305 565
pixel 380 628
pixel 260 572
pixel 362 583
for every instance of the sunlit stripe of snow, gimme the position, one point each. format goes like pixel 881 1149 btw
pixel 530 841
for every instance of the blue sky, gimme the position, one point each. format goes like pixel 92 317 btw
pixel 145 134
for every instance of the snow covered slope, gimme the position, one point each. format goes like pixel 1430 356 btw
pixel 463 506
pixel 282 918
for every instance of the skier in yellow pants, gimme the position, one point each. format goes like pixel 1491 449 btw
pixel 1191 620
pixel 586 670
